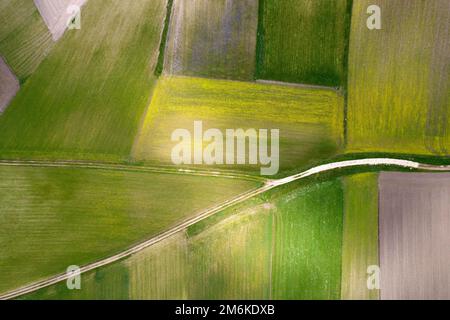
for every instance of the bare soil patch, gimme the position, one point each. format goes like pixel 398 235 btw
pixel 56 14
pixel 9 85
pixel 414 235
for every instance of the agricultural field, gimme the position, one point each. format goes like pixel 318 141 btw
pixel 86 99
pixel 9 85
pixel 308 243
pixel 399 84
pixel 110 282
pixel 24 38
pixel 215 39
pixel 303 41
pixel 360 241
pixel 282 245
pixel 52 218
pixel 414 237
pixel 309 120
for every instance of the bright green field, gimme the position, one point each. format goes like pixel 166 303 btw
pixel 214 39
pixel 310 120
pixel 24 37
pixel 303 41
pixel 285 244
pixel 86 99
pixel 308 243
pixel 399 79
pixel 360 242
pixel 55 217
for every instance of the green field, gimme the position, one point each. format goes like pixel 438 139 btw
pixel 55 217
pixel 309 120
pixel 303 41
pixel 213 39
pixel 86 99
pixel 232 259
pixel 24 38
pixel 308 243
pixel 360 242
pixel 399 84
pixel 111 282
pixel 285 244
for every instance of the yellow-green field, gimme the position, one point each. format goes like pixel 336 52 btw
pixel 399 83
pixel 309 120
pixel 24 38
pixel 52 218
pixel 360 241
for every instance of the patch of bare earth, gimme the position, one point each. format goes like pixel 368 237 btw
pixel 9 85
pixel 57 14
pixel 414 237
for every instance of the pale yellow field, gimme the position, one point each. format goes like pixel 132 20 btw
pixel 310 120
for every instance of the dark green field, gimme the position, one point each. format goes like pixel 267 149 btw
pixel 303 41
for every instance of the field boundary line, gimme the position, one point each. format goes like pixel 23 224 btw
pixel 130 168
pixel 224 205
pixel 297 85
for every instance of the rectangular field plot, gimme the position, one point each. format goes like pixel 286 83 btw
pixel 308 243
pixel 215 39
pixel 360 241
pixel 231 259
pixel 9 85
pixel 24 38
pixel 399 78
pixel 86 99
pixel 283 245
pixel 303 41
pixel 309 120
pixel 52 218
pixel 415 235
